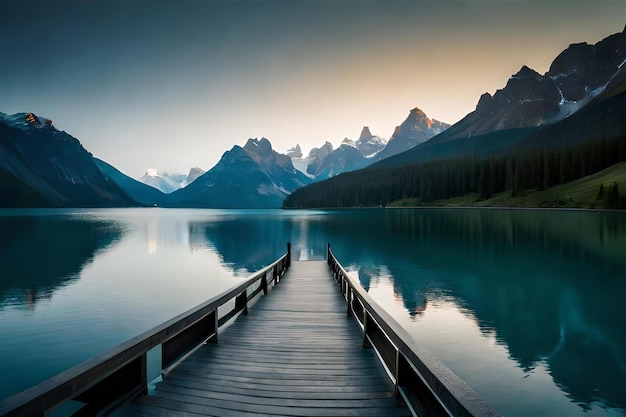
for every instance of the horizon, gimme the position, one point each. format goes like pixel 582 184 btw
pixel 171 86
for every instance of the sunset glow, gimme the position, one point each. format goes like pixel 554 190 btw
pixel 174 85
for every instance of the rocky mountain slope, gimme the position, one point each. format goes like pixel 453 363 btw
pixel 41 166
pixel 417 128
pixel 576 76
pixel 142 193
pixel 254 176
pixel 326 162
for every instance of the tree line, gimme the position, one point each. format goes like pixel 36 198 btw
pixel 516 170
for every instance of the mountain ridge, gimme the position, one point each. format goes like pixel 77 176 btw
pixel 576 76
pixel 253 176
pixel 41 166
pixel 533 116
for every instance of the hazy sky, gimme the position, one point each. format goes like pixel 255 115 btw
pixel 175 84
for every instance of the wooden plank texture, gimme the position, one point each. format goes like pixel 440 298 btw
pixel 296 353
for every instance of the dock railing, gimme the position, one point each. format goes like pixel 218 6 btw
pixel 108 380
pixel 424 384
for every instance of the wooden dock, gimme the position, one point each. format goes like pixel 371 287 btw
pixel 301 341
pixel 297 353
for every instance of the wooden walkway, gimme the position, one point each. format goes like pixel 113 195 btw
pixel 296 353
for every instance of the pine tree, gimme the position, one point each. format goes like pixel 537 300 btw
pixel 614 196
pixel 600 195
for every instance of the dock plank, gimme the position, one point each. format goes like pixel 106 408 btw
pixel 296 353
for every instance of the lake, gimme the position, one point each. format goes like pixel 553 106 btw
pixel 526 306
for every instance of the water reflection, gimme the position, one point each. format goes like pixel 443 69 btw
pixel 545 287
pixel 162 232
pixel 38 257
pixel 550 285
pixel 251 241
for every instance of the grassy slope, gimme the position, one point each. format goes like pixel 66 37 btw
pixel 576 194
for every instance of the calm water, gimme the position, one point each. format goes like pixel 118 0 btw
pixel 526 306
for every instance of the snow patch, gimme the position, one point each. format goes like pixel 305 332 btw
pixel 562 101
pixel 530 100
pixel 561 75
pixel 597 91
pixel 570 107
pixel 271 189
pixel 301 165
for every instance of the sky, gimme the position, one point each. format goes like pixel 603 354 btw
pixel 174 84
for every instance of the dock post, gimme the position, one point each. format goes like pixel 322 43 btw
pixel 288 254
pixel 328 254
pixel 264 281
pixel 349 297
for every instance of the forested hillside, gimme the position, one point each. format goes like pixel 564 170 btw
pixel 589 141
pixel 426 182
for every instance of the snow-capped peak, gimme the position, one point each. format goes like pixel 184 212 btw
pixel 26 121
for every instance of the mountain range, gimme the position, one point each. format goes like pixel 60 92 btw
pixel 544 120
pixel 167 182
pixel 581 76
pixel 43 167
pixel 582 97
pixel 325 162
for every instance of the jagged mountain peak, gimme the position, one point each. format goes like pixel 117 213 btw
pixel 484 101
pixel 417 112
pixel 325 162
pixel 417 121
pixel 26 121
pixel 526 72
pixel 365 135
pixel 261 151
pixel 263 142
pixel 258 146
pixel 193 174
pixel 253 176
pixel 295 152
pixel 416 128
pixel 577 76
pixel 322 151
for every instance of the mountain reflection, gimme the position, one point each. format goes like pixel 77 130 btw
pixel 251 242
pixel 549 283
pixel 39 255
